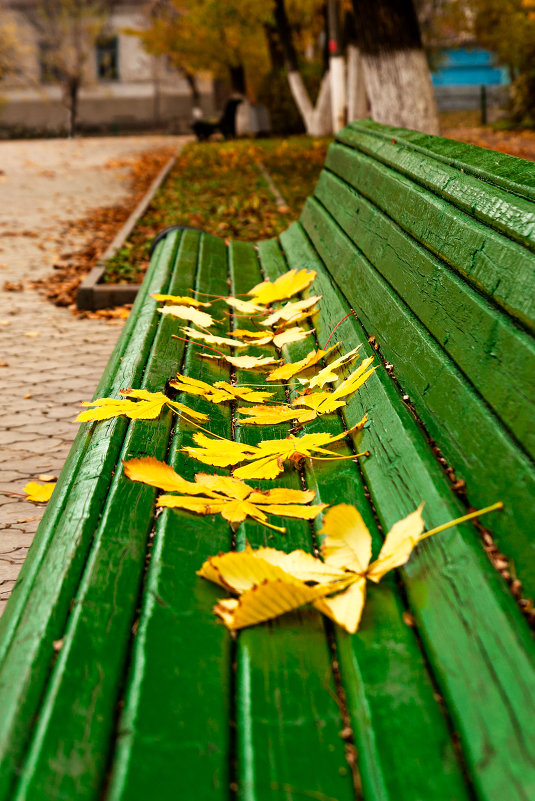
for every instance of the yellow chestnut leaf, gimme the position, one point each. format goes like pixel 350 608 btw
pixel 233 499
pixel 210 339
pixel 266 601
pixel 329 374
pixel 196 316
pixel 257 338
pixel 218 393
pixel 270 582
pixel 139 404
pixel 398 545
pixel 290 311
pixel 245 362
pixel 181 301
pixel 348 543
pixel 273 415
pixel 345 608
pixel 286 285
pixel 291 369
pixel 243 306
pixel 39 493
pixel 265 460
pixel 290 335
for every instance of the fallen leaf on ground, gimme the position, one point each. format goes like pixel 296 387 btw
pixel 138 404
pixel 200 318
pixel 46 477
pixel 285 286
pixel 233 499
pixel 39 493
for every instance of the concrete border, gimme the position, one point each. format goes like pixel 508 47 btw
pixel 92 293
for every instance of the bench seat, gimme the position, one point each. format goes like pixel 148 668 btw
pixel 117 681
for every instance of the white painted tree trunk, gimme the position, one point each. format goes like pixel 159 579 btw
pixel 317 118
pixel 399 87
pixel 338 92
pixel 357 103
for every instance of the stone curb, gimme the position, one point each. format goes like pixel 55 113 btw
pixel 92 293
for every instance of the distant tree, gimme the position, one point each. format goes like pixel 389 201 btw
pixel 225 37
pixel 396 73
pixel 10 44
pixel 68 31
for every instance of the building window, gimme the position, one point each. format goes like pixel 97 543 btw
pixel 108 58
pixel 48 69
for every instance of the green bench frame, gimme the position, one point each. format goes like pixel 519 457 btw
pixel 117 681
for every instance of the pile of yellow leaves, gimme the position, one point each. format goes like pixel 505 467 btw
pixel 268 582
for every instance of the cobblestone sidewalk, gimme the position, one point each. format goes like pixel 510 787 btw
pixel 51 360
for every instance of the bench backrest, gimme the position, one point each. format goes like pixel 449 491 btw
pixel 432 243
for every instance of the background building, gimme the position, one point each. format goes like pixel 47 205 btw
pixel 123 87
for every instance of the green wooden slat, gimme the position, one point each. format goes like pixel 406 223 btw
pixel 78 711
pixel 505 212
pixel 510 172
pixel 390 695
pixel 470 436
pixel 495 355
pixel 475 637
pixel 173 735
pixel 501 269
pixel 51 579
pixel 288 722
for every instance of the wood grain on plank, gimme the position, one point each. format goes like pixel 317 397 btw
pixel 496 357
pixel 499 268
pixel 471 437
pixel 287 717
pixel 173 733
pixel 390 693
pixel 475 638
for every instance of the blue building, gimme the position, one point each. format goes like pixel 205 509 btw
pixel 460 75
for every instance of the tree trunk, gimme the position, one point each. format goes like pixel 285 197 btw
pixel 237 79
pixel 357 103
pixel 70 93
pixel 316 119
pixel 336 68
pixel 396 73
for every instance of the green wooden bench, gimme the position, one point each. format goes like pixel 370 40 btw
pixel 116 680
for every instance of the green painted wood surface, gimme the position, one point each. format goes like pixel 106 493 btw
pixel 50 583
pixel 390 694
pixel 68 755
pixel 497 267
pixel 509 172
pixel 470 436
pixel 173 735
pixel 475 639
pixel 496 357
pixel 512 215
pixel 287 718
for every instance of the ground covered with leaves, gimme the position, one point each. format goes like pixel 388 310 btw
pixel 219 187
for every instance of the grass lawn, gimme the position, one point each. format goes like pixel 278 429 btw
pixel 218 187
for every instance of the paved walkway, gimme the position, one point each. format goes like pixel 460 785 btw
pixel 51 360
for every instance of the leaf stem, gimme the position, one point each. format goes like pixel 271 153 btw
pixel 463 519
pixel 336 326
